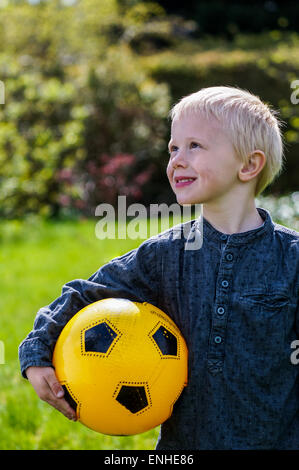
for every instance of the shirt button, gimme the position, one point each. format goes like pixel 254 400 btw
pixel 223 237
pixel 224 283
pixel 220 310
pixel 229 257
pixel 218 339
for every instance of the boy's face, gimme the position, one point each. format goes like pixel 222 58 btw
pixel 200 150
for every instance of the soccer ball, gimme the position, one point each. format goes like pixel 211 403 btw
pixel 122 365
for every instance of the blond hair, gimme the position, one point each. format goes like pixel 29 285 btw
pixel 250 124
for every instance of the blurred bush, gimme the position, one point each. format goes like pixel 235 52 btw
pixel 41 133
pixel 125 130
pixel 82 122
pixel 232 16
pixel 88 86
pixel 265 65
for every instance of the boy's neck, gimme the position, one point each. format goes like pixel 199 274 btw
pixel 236 219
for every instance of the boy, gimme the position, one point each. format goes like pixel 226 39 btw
pixel 235 299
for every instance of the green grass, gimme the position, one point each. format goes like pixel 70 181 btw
pixel 36 258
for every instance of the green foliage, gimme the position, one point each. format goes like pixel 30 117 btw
pixel 125 131
pixel 41 132
pixel 284 210
pixel 70 105
pixel 266 66
pixel 228 18
pixel 25 421
pixel 88 86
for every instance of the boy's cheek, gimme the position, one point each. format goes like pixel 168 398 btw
pixel 169 173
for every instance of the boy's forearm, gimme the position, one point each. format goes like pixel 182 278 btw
pixel 37 348
pixel 32 352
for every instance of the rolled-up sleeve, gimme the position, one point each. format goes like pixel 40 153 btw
pixel 134 276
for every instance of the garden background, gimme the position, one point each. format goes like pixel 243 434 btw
pixel 88 86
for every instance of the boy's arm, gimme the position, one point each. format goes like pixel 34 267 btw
pixel 134 276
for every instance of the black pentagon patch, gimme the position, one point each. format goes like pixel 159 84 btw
pixel 67 396
pixel 166 342
pixel 99 338
pixel 132 397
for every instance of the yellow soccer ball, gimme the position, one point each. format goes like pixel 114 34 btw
pixel 122 364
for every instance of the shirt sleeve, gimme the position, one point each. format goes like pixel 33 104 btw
pixel 134 276
pixel 297 312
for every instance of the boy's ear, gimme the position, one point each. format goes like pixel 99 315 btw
pixel 256 162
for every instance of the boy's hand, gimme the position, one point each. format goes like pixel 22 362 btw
pixel 47 387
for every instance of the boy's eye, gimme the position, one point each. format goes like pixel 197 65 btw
pixel 194 145
pixel 173 148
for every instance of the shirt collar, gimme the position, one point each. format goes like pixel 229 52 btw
pixel 242 237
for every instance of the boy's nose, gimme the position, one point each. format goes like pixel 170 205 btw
pixel 179 160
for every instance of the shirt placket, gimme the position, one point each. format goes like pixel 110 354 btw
pixel 220 308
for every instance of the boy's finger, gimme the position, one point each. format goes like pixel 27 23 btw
pixel 54 385
pixel 57 399
pixel 47 387
pixel 62 405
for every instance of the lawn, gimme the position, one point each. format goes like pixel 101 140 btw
pixel 37 257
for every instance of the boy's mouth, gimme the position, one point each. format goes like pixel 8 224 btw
pixel 181 181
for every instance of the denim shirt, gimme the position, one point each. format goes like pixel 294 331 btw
pixel 235 301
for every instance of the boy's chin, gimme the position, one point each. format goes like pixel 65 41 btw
pixel 184 201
